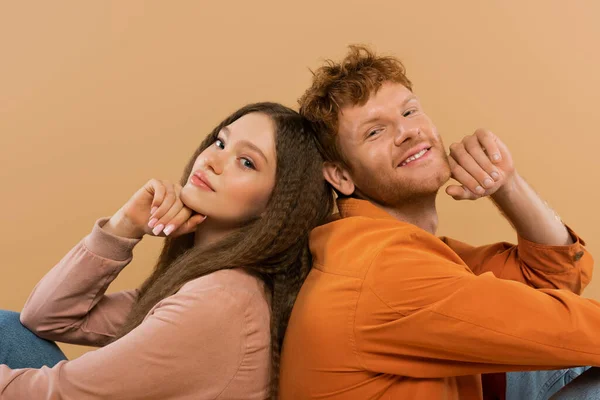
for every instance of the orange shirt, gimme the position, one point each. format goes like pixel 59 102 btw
pixel 390 311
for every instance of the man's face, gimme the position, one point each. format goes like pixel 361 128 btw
pixel 394 151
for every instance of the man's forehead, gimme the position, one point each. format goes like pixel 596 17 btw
pixel 389 95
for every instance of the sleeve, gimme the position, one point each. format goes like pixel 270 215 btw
pixel 537 265
pixel 178 352
pixel 69 304
pixel 425 315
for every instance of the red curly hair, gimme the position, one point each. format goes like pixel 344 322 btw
pixel 347 83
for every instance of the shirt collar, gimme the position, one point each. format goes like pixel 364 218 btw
pixel 351 207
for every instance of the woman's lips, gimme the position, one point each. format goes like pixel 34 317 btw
pixel 200 181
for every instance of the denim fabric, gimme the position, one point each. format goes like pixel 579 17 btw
pixel 20 348
pixel 539 385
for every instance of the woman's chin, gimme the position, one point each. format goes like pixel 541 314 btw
pixel 192 202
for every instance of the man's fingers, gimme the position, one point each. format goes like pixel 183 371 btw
pixel 488 141
pixel 466 170
pixel 459 192
pixel 473 148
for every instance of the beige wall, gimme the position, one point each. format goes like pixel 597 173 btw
pixel 97 97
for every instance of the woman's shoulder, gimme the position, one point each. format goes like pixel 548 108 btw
pixel 220 297
pixel 233 281
pixel 232 293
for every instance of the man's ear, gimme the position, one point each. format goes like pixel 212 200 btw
pixel 338 177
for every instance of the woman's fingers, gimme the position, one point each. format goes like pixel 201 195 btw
pixel 157 190
pixel 167 222
pixel 189 225
pixel 161 209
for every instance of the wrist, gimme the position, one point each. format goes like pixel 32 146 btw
pixel 120 225
pixel 511 187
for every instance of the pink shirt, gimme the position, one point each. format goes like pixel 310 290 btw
pixel 210 340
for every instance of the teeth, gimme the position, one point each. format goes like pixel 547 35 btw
pixel 414 157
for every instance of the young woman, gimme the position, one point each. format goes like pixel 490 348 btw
pixel 209 322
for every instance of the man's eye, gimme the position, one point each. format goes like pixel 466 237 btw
pixel 374 132
pixel 409 113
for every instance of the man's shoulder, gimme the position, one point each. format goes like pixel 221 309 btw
pixel 349 246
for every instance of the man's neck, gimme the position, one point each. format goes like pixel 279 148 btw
pixel 421 213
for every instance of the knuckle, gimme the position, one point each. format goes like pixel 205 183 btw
pixel 472 143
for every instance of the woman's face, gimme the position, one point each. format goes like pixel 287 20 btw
pixel 232 180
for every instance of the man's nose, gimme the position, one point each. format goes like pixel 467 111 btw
pixel 406 132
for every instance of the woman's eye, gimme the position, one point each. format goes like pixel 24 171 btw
pixel 409 113
pixel 247 163
pixel 219 143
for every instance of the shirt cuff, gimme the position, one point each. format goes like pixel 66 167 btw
pixel 550 258
pixel 107 245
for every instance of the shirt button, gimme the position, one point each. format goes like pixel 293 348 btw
pixel 577 256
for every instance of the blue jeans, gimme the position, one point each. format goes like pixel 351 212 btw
pixel 540 385
pixel 20 348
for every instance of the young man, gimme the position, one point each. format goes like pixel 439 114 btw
pixel 390 311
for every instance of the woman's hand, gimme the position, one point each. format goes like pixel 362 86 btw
pixel 155 209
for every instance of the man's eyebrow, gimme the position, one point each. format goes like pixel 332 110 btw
pixel 409 98
pixel 377 116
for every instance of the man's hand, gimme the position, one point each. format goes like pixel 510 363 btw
pixel 481 164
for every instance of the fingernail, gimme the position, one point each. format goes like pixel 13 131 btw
pixel 488 182
pixel 153 210
pixel 152 222
pixel 169 228
pixel 495 175
pixel 496 156
pixel 479 190
pixel 157 229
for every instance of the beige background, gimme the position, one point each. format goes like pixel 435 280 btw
pixel 97 97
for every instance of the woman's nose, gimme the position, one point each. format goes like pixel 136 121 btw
pixel 214 163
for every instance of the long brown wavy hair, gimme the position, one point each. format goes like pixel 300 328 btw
pixel 273 247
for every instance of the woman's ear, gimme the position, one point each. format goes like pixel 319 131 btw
pixel 338 177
